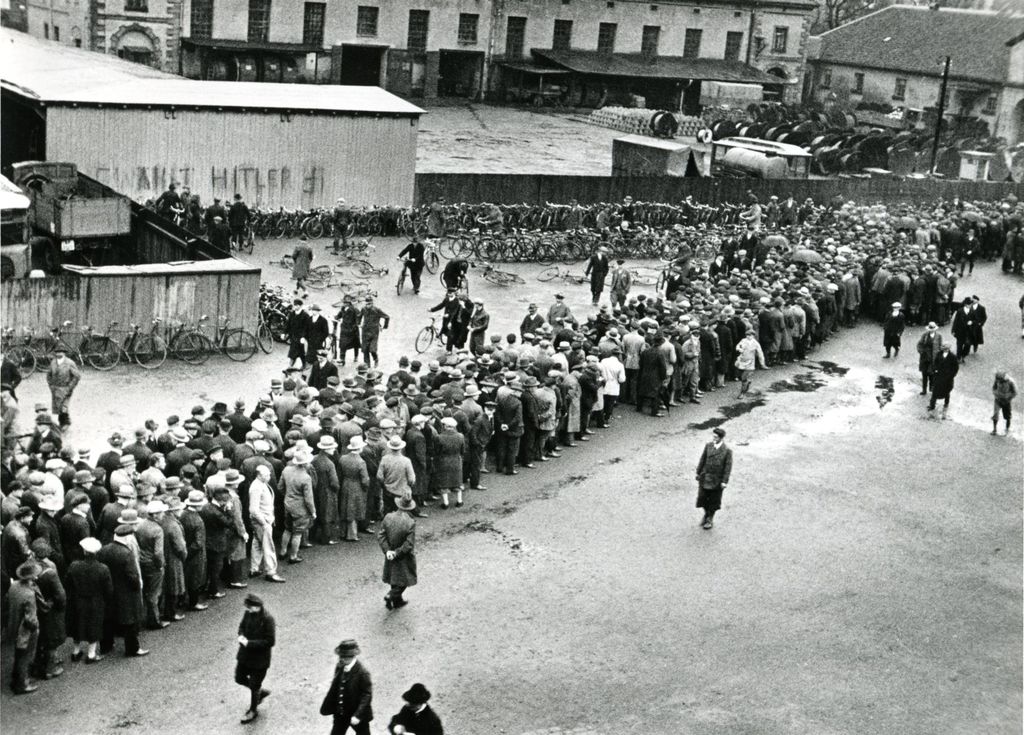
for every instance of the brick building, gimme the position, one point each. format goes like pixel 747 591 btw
pixel 463 48
pixel 895 57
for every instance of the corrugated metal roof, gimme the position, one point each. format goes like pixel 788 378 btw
pixel 56 74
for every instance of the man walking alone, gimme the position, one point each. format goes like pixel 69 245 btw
pixel 713 472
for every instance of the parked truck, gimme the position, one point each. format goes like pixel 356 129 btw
pixel 65 221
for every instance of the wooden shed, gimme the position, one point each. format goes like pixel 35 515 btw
pixel 178 292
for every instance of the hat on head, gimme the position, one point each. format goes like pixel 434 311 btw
pixel 897 305
pixel 124 530
pixel 29 570
pixel 90 545
pixel 129 516
pixel 472 390
pixel 355 444
pixel 115 438
pixel 395 443
pixel 932 327
pixel 406 502
pixel 449 422
pixel 347 647
pixel 530 382
pixel 171 484
pixel 156 506
pixel 254 600
pixel 126 491
pixel 83 476
pixel 302 457
pixel 196 499
pixel 50 502
pixel 44 418
pixel 261 445
pixel 55 463
pixel 127 459
pixel 232 478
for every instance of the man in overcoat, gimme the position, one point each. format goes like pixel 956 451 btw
pixel 944 371
pixel 397 539
pixel 651 375
pixel 597 269
pixel 126 611
pixel 62 377
pixel 928 348
pixel 713 472
pixel 349 699
pixel 508 423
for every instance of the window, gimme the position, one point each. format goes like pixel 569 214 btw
pixel 990 105
pixel 649 41
pixel 467 27
pixel 826 79
pixel 562 39
pixel 691 43
pixel 136 6
pixel 899 91
pixel 138 56
pixel 733 44
pixel 419 25
pixel 313 24
pixel 46 30
pixel 201 19
pixel 56 33
pixel 259 21
pixel 858 83
pixel 780 40
pixel 515 36
pixel 606 37
pixel 366 20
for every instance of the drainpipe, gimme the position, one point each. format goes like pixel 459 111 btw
pixel 750 34
pixel 485 75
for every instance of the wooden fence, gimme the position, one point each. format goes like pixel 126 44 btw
pixel 98 299
pixel 538 189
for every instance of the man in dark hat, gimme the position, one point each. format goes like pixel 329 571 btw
pixel 23 624
pixel 349 699
pixel 397 539
pixel 256 636
pixel 62 377
pixel 416 717
pixel 713 472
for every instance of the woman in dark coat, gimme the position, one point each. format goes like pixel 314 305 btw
pixel 355 480
pixel 650 377
pixel 449 449
pixel 89 589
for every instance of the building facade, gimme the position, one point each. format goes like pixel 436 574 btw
pixel 459 48
pixel 894 58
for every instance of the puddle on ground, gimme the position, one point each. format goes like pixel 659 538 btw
pixel 802 383
pixel 884 385
pixel 829 368
pixel 733 410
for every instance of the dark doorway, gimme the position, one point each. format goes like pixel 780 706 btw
pixel 460 74
pixel 691 97
pixel 360 65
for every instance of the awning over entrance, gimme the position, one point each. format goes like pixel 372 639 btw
pixel 534 68
pixel 639 66
pixel 230 44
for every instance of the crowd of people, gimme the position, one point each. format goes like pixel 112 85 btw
pixel 179 512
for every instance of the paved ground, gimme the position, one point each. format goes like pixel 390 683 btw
pixel 476 138
pixel 864 576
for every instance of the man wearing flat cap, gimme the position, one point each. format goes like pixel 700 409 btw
pixel 349 699
pixel 713 472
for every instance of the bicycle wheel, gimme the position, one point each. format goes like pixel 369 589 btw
pixel 424 339
pixel 277 322
pixel 100 352
pixel 149 351
pixel 248 242
pixel 549 274
pixel 71 352
pixel 401 281
pixel 448 246
pixel 238 344
pixel 192 347
pixel 432 262
pixel 25 359
pixel 265 337
pixel 314 228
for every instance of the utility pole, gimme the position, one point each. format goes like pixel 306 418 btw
pixel 942 110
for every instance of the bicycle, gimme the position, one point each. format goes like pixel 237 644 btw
pixel 18 350
pixel 557 272
pixel 402 276
pixel 189 344
pixel 237 343
pixel 100 351
pixel 431 256
pixel 45 347
pixel 499 277
pixel 246 242
pixel 427 335
pixel 148 350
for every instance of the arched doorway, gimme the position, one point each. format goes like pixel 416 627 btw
pixel 136 43
pixel 773 92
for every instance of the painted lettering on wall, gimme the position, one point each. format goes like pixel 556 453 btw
pixel 259 185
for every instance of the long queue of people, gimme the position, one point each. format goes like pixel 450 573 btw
pixel 158 527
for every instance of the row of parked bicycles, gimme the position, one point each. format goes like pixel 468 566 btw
pixel 190 343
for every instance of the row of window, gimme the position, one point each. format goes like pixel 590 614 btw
pixel 368 17
pixel 899 90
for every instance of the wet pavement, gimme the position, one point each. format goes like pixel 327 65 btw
pixel 863 577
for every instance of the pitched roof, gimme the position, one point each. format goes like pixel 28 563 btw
pixel 916 39
pixel 55 74
pixel 659 67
